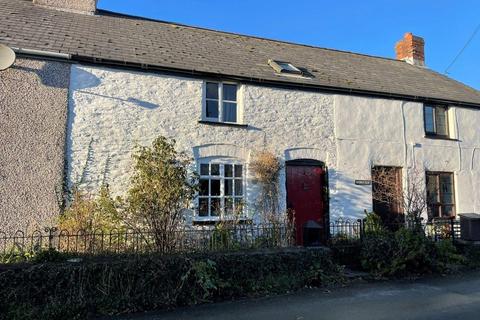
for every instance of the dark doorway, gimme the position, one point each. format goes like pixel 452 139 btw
pixel 306 200
pixel 387 194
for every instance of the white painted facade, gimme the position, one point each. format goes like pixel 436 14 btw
pixel 111 111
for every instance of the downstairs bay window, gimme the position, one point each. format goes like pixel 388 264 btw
pixel 221 193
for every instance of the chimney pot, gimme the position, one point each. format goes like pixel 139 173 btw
pixel 79 6
pixel 411 49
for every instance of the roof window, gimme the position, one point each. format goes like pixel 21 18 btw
pixel 284 67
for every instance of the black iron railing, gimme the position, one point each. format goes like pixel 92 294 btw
pixel 201 239
pixel 350 231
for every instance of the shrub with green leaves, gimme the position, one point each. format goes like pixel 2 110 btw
pixel 114 285
pixel 407 252
pixel 91 213
pixel 162 187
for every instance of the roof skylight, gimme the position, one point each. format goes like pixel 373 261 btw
pixel 283 67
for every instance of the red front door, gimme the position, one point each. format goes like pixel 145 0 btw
pixel 305 196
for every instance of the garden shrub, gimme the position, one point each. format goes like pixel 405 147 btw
pixel 471 253
pixel 90 214
pixel 448 258
pixel 407 252
pixel 115 285
pixel 377 252
pixel 414 253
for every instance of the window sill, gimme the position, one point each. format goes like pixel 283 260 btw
pixel 435 137
pixel 214 221
pixel 224 124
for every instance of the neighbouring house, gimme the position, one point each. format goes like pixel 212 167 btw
pixel 88 85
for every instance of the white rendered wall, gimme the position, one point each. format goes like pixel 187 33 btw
pixel 391 133
pixel 110 111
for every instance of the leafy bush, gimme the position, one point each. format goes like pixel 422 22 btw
pixel 448 257
pixel 18 255
pixel 162 187
pixel 373 224
pixel 471 253
pixel 377 252
pixel 407 251
pixel 414 253
pixel 90 214
pixel 117 285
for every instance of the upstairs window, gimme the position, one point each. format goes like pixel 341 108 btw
pixel 436 121
pixel 221 102
pixel 440 195
pixel 221 190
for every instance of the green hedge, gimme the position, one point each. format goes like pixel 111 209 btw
pixel 114 285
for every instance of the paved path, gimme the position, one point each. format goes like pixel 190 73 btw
pixel 456 297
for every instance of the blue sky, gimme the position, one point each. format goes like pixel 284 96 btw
pixel 370 27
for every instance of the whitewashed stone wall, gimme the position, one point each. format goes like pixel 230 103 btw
pixel 391 133
pixel 111 111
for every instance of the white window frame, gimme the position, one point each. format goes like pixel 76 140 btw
pixel 222 162
pixel 221 101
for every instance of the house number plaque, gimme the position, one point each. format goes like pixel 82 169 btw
pixel 363 182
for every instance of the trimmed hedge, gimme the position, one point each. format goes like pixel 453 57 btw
pixel 115 285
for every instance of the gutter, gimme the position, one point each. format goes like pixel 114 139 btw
pixel 201 74
pixel 40 53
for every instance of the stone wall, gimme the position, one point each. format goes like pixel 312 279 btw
pixel 114 110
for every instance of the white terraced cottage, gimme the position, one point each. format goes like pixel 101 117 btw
pixel 106 82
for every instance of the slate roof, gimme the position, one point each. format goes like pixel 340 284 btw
pixel 114 38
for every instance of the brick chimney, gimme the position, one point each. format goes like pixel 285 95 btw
pixel 79 6
pixel 411 49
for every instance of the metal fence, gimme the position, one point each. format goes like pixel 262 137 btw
pixel 345 231
pixel 201 239
pixel 205 238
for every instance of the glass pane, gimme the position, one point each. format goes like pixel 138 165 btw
pixel 432 191
pixel 212 109
pixel 212 90
pixel 229 92
pixel 204 169
pixel 228 187
pixel 238 205
pixel 433 211
pixel 238 170
pixel 215 187
pixel 215 207
pixel 441 121
pixel 238 187
pixel 429 120
pixel 229 112
pixel 204 187
pixel 228 170
pixel 229 205
pixel 446 188
pixel 215 169
pixel 203 207
pixel 288 67
pixel 447 211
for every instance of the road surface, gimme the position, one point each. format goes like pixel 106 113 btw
pixel 454 297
